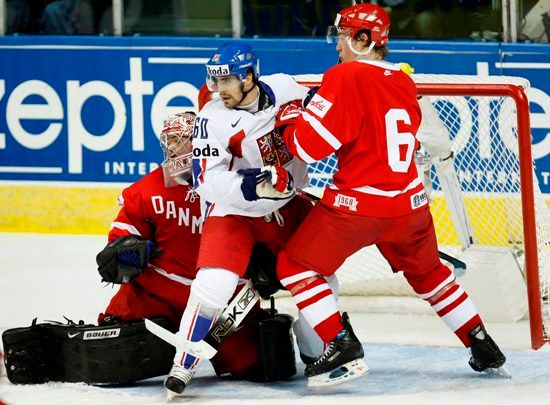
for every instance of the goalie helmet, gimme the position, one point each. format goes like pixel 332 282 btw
pixel 362 17
pixel 232 59
pixel 177 147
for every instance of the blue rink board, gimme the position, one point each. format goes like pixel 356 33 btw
pixel 91 83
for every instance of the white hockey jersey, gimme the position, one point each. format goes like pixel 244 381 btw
pixel 226 140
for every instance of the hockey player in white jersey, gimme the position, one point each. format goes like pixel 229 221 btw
pixel 246 179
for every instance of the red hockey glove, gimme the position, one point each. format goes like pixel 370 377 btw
pixel 270 182
pixel 287 113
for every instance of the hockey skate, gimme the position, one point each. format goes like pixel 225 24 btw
pixel 177 380
pixel 341 361
pixel 485 354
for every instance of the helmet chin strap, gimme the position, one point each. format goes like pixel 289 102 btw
pixel 371 46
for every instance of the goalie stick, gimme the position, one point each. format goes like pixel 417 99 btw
pixel 224 326
pixel 458 265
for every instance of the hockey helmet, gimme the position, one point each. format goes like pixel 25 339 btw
pixel 232 59
pixel 361 17
pixel 177 147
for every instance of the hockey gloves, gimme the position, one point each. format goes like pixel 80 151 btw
pixel 269 182
pixel 124 259
pixel 262 270
pixel 287 113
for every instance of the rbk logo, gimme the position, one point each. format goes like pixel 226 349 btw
pixel 247 299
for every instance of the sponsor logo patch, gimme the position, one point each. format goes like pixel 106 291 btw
pixel 207 151
pixel 218 70
pixel 345 201
pixel 319 105
pixel 419 199
pixel 101 334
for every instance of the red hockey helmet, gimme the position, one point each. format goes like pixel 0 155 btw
pixel 360 17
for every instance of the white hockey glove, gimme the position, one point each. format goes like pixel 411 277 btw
pixel 269 182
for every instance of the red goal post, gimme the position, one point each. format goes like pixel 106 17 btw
pixel 488 121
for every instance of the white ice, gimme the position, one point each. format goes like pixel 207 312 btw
pixel 413 359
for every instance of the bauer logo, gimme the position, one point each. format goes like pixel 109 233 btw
pixel 101 334
pixel 319 105
pixel 218 70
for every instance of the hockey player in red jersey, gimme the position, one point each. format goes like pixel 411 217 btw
pixel 366 112
pixel 152 252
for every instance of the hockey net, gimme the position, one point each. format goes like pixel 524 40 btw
pixel 488 121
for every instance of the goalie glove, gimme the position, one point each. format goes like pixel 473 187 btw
pixel 124 259
pixel 269 182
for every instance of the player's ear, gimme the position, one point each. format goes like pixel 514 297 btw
pixel 249 81
pixel 364 38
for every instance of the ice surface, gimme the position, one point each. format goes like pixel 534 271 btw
pixel 413 359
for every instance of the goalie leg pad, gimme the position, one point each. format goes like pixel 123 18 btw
pixel 278 360
pixel 27 356
pixel 109 354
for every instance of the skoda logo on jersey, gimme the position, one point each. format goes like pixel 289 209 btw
pixel 218 70
pixel 207 151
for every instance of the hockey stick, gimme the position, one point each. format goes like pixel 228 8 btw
pixel 224 326
pixel 458 265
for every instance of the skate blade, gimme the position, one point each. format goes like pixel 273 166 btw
pixel 171 395
pixel 347 372
pixel 501 372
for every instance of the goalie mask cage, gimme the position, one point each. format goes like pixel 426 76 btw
pixel 488 122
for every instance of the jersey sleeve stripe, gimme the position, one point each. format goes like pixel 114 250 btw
pixel 302 154
pixel 199 167
pixel 127 227
pixel 322 131
pixel 388 193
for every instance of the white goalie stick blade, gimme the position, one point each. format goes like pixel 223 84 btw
pixel 198 349
pixel 224 326
pixel 349 371
pixel 501 372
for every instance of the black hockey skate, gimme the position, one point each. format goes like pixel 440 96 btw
pixel 177 380
pixel 341 361
pixel 486 356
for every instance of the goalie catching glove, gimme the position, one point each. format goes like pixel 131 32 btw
pixel 269 182
pixel 124 259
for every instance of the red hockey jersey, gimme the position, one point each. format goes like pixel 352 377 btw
pixel 366 112
pixel 168 216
